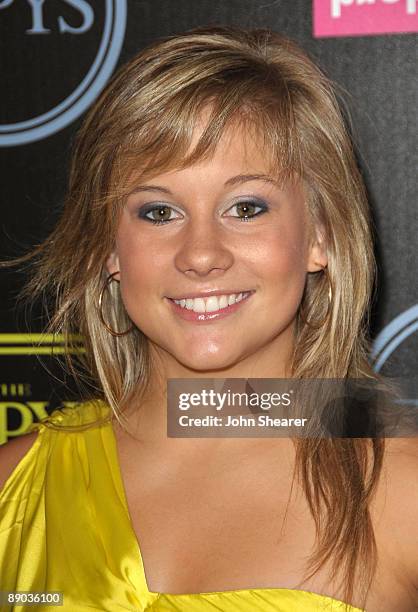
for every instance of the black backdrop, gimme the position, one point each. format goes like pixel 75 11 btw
pixel 46 55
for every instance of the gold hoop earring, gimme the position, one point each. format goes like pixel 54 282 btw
pixel 319 324
pixel 109 280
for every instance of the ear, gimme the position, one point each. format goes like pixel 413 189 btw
pixel 112 263
pixel 317 256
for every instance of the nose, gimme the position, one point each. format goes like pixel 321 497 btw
pixel 203 249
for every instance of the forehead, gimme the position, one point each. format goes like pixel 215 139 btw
pixel 241 137
pixel 240 149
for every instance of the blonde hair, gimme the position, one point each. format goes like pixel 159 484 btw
pixel 144 121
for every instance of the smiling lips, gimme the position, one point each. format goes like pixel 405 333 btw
pixel 209 308
pixel 211 303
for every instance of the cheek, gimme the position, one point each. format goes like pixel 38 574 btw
pixel 281 255
pixel 141 256
pixel 141 264
pixel 281 268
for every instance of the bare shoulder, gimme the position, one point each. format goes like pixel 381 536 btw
pixel 397 504
pixel 12 453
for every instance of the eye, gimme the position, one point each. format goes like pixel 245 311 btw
pixel 246 209
pixel 160 213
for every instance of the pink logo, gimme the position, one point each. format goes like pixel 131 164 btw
pixel 362 17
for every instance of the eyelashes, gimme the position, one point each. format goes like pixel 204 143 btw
pixel 246 206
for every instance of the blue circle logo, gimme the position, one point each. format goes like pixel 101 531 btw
pixel 390 338
pixel 90 87
pixel 403 326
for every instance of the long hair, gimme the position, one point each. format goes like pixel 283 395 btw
pixel 143 122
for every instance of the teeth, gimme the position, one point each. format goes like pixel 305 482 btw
pixel 223 301
pixel 212 303
pixel 199 305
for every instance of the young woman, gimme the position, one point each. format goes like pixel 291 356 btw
pixel 216 226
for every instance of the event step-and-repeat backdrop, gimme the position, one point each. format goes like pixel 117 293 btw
pixel 56 57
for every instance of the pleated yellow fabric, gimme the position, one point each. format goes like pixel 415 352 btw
pixel 65 526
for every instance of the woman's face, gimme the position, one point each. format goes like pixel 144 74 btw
pixel 201 247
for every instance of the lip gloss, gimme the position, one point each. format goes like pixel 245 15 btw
pixel 207 317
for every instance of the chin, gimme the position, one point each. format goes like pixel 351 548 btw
pixel 207 362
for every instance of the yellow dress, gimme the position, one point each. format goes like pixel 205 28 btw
pixel 65 526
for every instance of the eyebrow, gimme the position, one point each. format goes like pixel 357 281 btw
pixel 240 178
